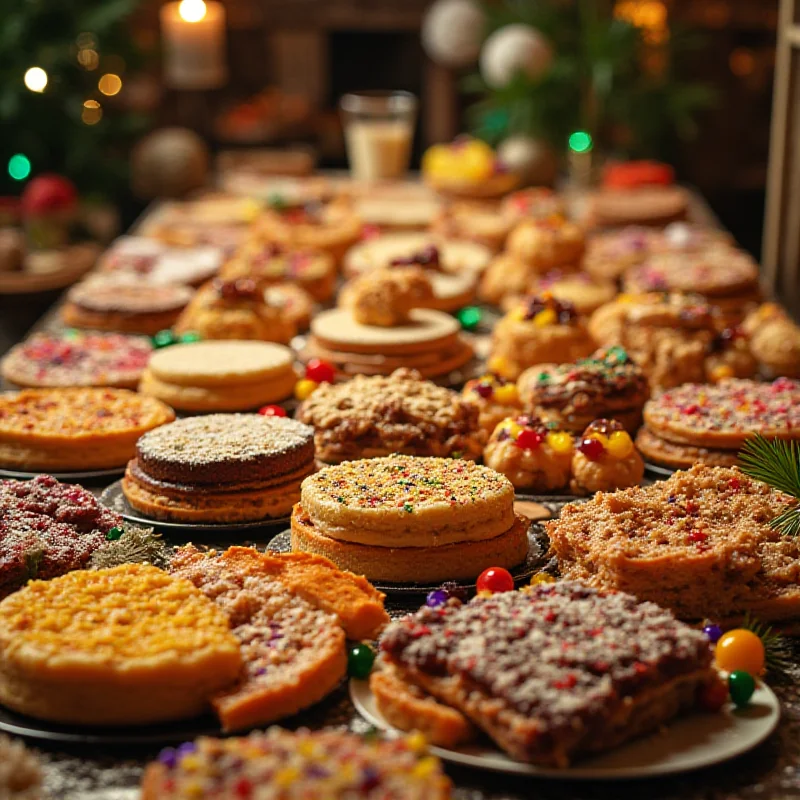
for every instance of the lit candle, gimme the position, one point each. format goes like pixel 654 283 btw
pixel 194 44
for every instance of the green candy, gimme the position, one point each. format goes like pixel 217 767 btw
pixel 190 336
pixel 741 685
pixel 360 659
pixel 115 533
pixel 276 201
pixel 469 317
pixel 164 339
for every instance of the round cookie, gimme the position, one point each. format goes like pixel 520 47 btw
pixel 124 646
pixel 483 223
pixel 220 376
pixel 547 243
pixel 77 359
pixel 605 460
pixel 69 430
pixel 725 415
pixel 649 205
pixel 506 277
pixel 115 304
pixel 536 201
pixel 585 294
pixel 681 456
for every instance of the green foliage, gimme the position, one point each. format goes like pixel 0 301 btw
pixel 47 126
pixel 776 463
pixel 777 649
pixel 597 82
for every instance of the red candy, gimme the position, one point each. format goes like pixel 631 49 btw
pixel 320 371
pixel 592 448
pixel 528 439
pixel 272 411
pixel 495 579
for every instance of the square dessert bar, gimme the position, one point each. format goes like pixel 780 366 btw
pixel 556 671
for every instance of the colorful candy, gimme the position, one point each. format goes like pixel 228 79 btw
pixel 740 650
pixel 528 439
pixel 714 632
pixel 495 580
pixel 272 411
pixel 620 444
pixel 559 442
pixel 304 388
pixel 592 448
pixel 320 371
pixel 360 659
pixel 741 685
pixel 164 338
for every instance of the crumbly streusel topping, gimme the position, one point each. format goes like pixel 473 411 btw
pixel 561 652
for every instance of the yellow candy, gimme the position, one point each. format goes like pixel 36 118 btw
pixel 510 427
pixel 425 767
pixel 500 366
pixel 417 742
pixel 600 438
pixel 193 789
pixel 518 314
pixel 507 394
pixel 286 776
pixel 190 763
pixel 542 577
pixel 484 593
pixel 560 442
pixel 721 372
pixel 619 444
pixel 304 388
pixel 546 317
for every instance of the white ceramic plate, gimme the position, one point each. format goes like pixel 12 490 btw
pixel 688 743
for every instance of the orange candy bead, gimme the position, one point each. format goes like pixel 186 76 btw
pixel 740 649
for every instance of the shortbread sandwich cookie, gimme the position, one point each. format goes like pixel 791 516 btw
pixel 403 518
pixel 430 342
pixel 69 430
pixel 129 645
pixel 220 376
pixel 220 468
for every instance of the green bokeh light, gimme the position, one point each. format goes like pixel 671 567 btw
pixel 580 142
pixel 19 167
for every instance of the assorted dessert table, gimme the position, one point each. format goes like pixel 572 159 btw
pixel 84 768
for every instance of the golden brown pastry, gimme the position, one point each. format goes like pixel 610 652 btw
pixel 385 297
pixel 605 459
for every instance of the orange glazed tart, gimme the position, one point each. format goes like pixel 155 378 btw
pixel 68 430
pixel 129 645
pixel 286 765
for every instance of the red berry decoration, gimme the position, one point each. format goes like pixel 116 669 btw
pixel 495 579
pixel 713 696
pixel 320 371
pixel 528 439
pixel 592 448
pixel 272 411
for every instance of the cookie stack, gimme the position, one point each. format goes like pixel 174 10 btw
pixel 405 519
pixel 220 376
pixel 430 342
pixel 220 468
pixel 701 424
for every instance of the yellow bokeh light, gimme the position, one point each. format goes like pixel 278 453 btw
pixel 110 84
pixel 650 16
pixel 192 10
pixel 35 79
pixel 88 59
pixel 92 112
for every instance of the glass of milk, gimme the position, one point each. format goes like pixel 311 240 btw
pixel 378 129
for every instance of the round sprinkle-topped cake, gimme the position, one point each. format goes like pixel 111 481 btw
pixel 405 518
pixel 64 430
pixel 221 468
pixel 726 414
pixel 78 359
pixel 127 645
pixel 282 764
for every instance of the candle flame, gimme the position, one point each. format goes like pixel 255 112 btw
pixel 192 10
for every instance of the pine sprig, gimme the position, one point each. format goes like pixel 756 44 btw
pixel 776 463
pixel 777 650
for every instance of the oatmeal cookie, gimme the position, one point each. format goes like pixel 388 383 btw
pixel 385 297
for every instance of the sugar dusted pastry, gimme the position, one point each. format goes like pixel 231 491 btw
pixel 496 398
pixel 290 765
pixel 605 459
pixel 534 457
pixel 535 201
pixel 540 329
pixel 235 309
pixel 547 243
pixel 124 646
pixel 385 297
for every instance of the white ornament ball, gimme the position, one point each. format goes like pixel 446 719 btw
pixel 452 32
pixel 515 48
pixel 169 163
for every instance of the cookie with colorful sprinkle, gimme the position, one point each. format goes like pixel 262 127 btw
pixel 409 519
pixel 495 397
pixel 290 765
pixel 725 415
pixel 605 459
pixel 77 359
